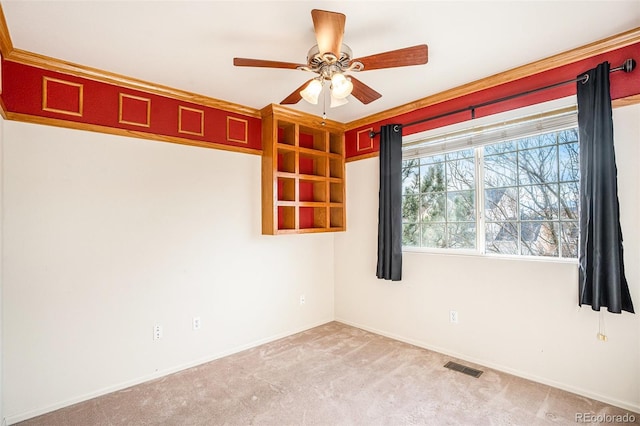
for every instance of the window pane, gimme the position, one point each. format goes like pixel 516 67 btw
pixel 461 174
pixel 461 206
pixel 538 165
pixel 410 208
pixel 570 239
pixel 538 202
pixel 501 204
pixel 456 155
pixel 414 162
pixel 569 162
pixel 433 235
pixel 539 238
pixel 432 178
pixel 410 234
pixel 569 200
pixel 501 238
pixel 537 141
pixel 569 135
pixel 462 235
pixel 500 170
pixel 432 159
pixel 433 207
pixel 410 180
pixel 500 148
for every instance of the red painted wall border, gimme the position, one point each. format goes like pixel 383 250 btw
pixel 26 96
pixel 623 85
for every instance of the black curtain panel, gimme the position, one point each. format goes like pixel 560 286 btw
pixel 390 206
pixel 602 279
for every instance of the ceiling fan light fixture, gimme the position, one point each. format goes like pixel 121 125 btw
pixel 341 87
pixel 336 102
pixel 311 93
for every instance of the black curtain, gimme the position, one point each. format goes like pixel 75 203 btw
pixel 602 278
pixel 390 204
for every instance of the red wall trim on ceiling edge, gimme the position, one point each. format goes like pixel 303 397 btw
pixel 622 85
pixel 44 96
pixel 23 98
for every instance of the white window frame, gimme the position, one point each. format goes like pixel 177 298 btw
pixel 472 134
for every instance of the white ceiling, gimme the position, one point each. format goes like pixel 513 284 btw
pixel 190 45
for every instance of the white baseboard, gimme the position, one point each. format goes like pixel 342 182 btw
pixel 626 405
pixel 156 375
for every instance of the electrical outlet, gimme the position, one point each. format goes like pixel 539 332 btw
pixel 303 300
pixel 453 317
pixel 157 332
pixel 196 323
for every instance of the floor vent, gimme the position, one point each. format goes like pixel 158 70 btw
pixel 463 369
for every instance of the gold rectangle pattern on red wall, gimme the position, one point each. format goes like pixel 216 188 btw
pixel 364 142
pixel 134 110
pixel 190 121
pixel 62 97
pixel 237 130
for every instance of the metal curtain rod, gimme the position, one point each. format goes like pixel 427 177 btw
pixel 628 66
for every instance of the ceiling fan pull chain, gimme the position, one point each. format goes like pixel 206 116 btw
pixel 324 107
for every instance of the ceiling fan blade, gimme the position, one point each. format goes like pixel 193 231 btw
pixel 329 28
pixel 362 92
pixel 246 62
pixel 295 96
pixel 415 55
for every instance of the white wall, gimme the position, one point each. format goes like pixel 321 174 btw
pixel 106 236
pixel 514 315
pixel 1 275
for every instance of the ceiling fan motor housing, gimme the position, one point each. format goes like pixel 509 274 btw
pixel 328 64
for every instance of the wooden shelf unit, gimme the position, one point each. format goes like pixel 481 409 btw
pixel 303 186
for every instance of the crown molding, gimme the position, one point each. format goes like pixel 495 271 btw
pixel 301 117
pixel 6 46
pixel 622 102
pixel 584 52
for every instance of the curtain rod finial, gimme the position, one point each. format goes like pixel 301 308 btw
pixel 629 65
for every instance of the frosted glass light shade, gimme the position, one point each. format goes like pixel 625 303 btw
pixel 311 93
pixel 340 86
pixel 336 102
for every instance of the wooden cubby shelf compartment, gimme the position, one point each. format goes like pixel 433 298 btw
pixel 287 160
pixel 312 164
pixel 286 189
pixel 336 168
pixel 286 217
pixel 303 186
pixel 336 192
pixel 313 217
pixel 286 133
pixel 336 144
pixel 314 139
pixel 312 190
pixel 336 217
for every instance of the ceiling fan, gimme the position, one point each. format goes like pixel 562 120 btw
pixel 331 60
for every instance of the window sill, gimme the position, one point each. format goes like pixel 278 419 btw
pixel 475 253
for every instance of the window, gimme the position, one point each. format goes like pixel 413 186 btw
pixel 515 197
pixel 438 207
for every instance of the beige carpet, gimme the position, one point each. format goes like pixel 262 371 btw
pixel 333 375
